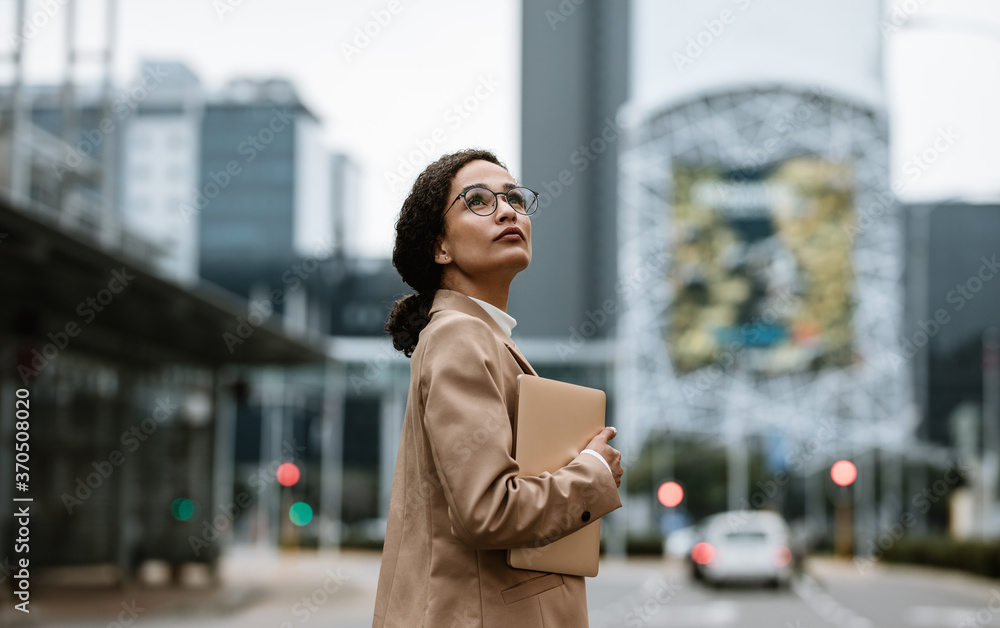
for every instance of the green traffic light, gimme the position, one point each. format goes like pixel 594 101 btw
pixel 300 513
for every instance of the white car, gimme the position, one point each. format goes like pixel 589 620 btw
pixel 743 546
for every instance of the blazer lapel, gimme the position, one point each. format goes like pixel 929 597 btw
pixel 452 300
pixel 520 358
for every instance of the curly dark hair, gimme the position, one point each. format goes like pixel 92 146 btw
pixel 420 223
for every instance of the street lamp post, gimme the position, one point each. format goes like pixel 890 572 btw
pixel 843 473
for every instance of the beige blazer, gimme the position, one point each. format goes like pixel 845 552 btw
pixel 457 505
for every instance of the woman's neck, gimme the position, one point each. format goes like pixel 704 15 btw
pixel 493 293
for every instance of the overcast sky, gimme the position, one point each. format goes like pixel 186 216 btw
pixel 380 100
pixel 384 99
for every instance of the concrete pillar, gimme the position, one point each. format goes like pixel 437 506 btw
pixel 331 456
pixel 737 461
pixel 272 386
pixel 865 516
pixel 390 426
pixel 125 534
pixel 224 445
pixel 815 499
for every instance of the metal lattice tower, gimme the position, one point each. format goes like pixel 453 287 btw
pixel 867 405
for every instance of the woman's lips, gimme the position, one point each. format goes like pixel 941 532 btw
pixel 510 234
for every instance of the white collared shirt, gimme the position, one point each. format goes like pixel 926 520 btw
pixel 503 319
pixel 507 322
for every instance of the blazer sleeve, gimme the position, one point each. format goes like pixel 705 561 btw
pixel 466 421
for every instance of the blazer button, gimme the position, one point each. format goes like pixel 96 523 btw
pixel 586 515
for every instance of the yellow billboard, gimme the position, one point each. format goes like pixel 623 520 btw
pixel 761 274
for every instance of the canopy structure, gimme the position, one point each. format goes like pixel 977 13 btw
pixel 51 279
pixel 132 384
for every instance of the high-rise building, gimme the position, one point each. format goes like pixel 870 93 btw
pixel 953 299
pixel 160 167
pixel 574 79
pixel 263 201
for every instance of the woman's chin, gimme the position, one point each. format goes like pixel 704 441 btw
pixel 511 263
pixel 521 262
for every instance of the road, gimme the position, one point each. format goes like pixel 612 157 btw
pixel 831 593
pixel 267 589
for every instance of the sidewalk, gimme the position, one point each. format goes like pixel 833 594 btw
pixel 829 570
pixel 293 586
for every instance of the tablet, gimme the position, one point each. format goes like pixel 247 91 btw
pixel 554 421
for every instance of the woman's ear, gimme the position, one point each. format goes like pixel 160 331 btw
pixel 441 256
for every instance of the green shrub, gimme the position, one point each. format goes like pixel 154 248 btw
pixel 978 557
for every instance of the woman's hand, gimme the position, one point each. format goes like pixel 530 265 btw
pixel 600 444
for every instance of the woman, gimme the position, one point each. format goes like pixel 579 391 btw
pixel 463 234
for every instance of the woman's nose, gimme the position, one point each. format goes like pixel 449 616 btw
pixel 504 209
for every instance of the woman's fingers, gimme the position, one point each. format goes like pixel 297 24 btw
pixel 600 444
pixel 602 438
pixel 616 468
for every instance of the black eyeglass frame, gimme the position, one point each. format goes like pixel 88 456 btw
pixel 496 200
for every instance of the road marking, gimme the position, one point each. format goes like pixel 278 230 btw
pixel 824 605
pixel 934 616
pixel 714 613
pixel 717 613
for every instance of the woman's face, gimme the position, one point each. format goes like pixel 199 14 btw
pixel 475 246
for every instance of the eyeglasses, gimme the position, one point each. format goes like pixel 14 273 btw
pixel 483 202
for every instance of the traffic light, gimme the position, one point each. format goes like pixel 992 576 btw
pixel 288 474
pixel 300 513
pixel 184 509
pixel 670 494
pixel 843 472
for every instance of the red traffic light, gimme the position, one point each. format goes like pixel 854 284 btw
pixel 670 494
pixel 843 472
pixel 288 474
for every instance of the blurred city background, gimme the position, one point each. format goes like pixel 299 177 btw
pixel 768 229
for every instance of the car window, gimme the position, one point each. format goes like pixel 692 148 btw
pixel 746 537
